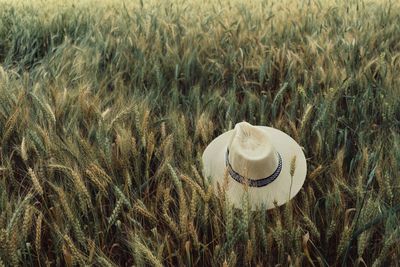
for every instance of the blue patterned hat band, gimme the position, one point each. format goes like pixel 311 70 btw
pixel 253 182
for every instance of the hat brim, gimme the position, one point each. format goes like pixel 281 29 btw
pixel 281 190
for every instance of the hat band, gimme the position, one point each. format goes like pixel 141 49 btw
pixel 252 182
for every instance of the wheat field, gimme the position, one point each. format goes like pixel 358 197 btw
pixel 107 106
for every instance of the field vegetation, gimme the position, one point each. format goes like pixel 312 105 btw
pixel 106 108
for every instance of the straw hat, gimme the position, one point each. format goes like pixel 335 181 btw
pixel 263 161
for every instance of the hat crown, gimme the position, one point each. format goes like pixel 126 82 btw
pixel 251 152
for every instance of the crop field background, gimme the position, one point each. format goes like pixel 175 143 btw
pixel 106 108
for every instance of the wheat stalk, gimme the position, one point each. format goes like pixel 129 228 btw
pixel 35 181
pixel 292 170
pixel 229 222
pixel 49 114
pixel 12 248
pixel 116 211
pixel 101 184
pixel 77 255
pixel 82 190
pixel 195 186
pixel 194 204
pixel 168 219
pixel 24 152
pixel 311 226
pixel 144 126
pixel 16 214
pixel 71 217
pixel 140 208
pixel 27 220
pixel 10 125
pixel 3 238
pixel 145 251
pixel 38 232
pixel 163 130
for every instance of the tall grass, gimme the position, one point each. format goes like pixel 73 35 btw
pixel 107 107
